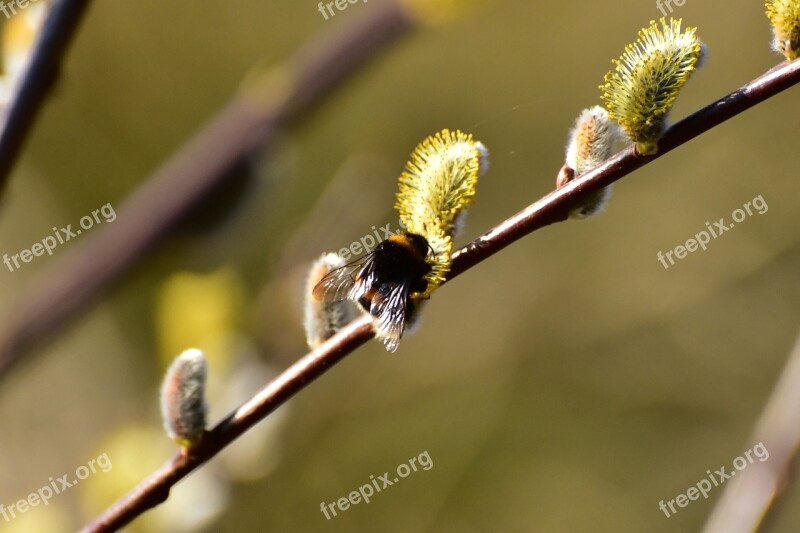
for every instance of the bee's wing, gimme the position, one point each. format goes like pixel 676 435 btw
pixel 335 285
pixel 389 309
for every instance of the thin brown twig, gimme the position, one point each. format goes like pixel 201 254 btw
pixel 250 120
pixel 59 29
pixel 749 497
pixel 155 489
pixel 552 208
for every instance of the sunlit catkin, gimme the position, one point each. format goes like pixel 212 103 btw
pixel 436 186
pixel 646 80
pixel 393 280
pixel 785 18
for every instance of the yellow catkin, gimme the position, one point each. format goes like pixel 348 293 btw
pixel 785 18
pixel 437 184
pixel 646 80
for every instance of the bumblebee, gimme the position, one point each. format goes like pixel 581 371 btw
pixel 392 281
pixel 389 283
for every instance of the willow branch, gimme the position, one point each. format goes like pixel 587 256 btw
pixel 59 28
pixel 749 497
pixel 250 120
pixel 552 208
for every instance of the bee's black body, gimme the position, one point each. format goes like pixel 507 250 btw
pixel 383 283
pixel 398 260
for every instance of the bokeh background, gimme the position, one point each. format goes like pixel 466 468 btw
pixel 567 384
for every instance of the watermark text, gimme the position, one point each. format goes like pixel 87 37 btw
pixel 366 243
pixel 718 477
pixel 55 486
pixel 60 236
pixel 341 5
pixel 21 4
pixel 368 490
pixel 667 4
pixel 700 240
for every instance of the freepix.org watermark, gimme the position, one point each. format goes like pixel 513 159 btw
pixel 704 486
pixel 21 4
pixel 701 239
pixel 667 4
pixel 341 5
pixel 55 486
pixel 368 490
pixel 60 236
pixel 366 243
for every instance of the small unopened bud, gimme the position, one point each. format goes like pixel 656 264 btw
pixel 591 142
pixel 324 317
pixel 183 405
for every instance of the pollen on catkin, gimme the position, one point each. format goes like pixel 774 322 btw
pixel 183 404
pixel 647 78
pixel 785 18
pixel 323 318
pixel 438 183
pixel 591 141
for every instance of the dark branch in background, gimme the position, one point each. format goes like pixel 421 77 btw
pixel 552 208
pixel 250 120
pixel 59 28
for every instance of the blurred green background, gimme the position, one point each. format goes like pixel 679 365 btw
pixel 567 384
